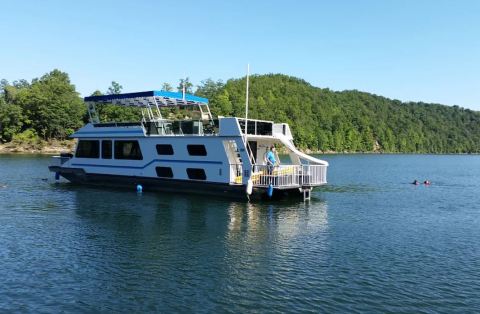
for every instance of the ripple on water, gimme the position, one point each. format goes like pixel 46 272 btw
pixel 369 244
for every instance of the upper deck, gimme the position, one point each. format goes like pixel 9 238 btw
pixel 153 123
pixel 223 126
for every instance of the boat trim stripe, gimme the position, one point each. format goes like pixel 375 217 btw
pixel 108 132
pixel 151 162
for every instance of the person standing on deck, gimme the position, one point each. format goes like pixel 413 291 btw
pixel 271 160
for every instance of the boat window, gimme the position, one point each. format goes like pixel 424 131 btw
pixel 88 149
pixel 196 174
pixel 107 149
pixel 197 150
pixel 164 149
pixel 164 172
pixel 128 150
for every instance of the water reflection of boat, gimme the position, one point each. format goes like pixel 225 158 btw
pixel 256 220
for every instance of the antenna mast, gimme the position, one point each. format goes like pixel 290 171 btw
pixel 246 103
pixel 183 87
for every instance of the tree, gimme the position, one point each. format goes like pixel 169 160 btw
pixel 167 87
pixel 209 88
pixel 52 106
pixel 114 89
pixel 21 83
pixel 114 113
pixel 11 120
pixel 3 84
pixel 188 86
pixel 221 104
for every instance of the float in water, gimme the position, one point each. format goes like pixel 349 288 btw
pixel 199 154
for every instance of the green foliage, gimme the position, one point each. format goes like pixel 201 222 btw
pixel 114 89
pixel 28 139
pixel 112 113
pixel 350 121
pixel 11 120
pixel 188 86
pixel 27 136
pixel 167 87
pixel 51 105
pixel 321 119
pixel 209 88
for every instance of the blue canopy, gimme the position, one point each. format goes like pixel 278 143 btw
pixel 149 98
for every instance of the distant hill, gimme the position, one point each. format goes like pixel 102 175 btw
pixel 322 120
pixel 348 121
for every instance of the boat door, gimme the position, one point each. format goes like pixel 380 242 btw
pixel 253 149
pixel 234 160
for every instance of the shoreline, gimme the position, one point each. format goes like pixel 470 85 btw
pixel 38 147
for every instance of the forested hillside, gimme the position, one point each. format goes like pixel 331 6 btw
pixel 350 121
pixel 322 120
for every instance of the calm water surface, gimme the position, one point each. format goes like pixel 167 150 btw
pixel 368 242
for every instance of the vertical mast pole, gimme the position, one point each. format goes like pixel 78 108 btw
pixel 246 104
pixel 183 87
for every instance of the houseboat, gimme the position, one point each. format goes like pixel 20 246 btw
pixel 194 154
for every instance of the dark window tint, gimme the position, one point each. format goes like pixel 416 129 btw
pixel 164 149
pixel 196 174
pixel 164 172
pixel 128 150
pixel 197 150
pixel 107 149
pixel 88 149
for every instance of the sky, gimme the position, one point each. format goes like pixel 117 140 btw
pixel 408 50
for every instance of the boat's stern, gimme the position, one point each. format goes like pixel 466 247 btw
pixel 56 163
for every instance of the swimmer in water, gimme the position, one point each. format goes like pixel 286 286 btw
pixel 426 182
pixel 415 182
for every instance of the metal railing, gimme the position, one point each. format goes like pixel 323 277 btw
pixel 282 176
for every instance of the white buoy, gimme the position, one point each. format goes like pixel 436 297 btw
pixel 249 187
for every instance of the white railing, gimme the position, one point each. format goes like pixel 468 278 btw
pixel 314 175
pixel 282 176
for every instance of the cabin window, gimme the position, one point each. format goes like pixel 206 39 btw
pixel 128 150
pixel 107 149
pixel 196 150
pixel 196 174
pixel 88 149
pixel 164 149
pixel 164 172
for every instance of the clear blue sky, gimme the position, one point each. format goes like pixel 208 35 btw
pixel 408 50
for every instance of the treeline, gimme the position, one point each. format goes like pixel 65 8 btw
pixel 348 121
pixel 322 120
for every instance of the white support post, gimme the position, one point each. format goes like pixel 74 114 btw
pixel 158 108
pixel 246 105
pixel 210 114
pixel 92 113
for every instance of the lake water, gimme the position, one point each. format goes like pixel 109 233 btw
pixel 368 242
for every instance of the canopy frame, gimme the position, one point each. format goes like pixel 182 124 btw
pixel 150 102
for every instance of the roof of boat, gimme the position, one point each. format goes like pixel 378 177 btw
pixel 142 99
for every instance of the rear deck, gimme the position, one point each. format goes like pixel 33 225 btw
pixel 284 176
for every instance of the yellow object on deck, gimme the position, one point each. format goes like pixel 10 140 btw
pixel 238 180
pixel 283 171
pixel 256 177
